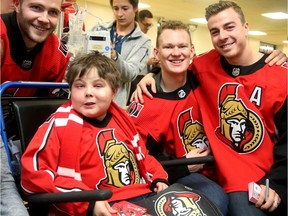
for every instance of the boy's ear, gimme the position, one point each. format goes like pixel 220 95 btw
pixel 115 92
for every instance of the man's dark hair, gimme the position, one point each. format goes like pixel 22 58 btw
pixel 143 14
pixel 213 9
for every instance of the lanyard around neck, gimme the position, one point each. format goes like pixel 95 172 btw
pixel 117 40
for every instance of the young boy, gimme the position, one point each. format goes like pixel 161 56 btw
pixel 91 143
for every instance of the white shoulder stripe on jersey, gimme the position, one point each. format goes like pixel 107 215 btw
pixel 63 121
pixel 75 118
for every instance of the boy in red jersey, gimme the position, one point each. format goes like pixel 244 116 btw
pixel 91 143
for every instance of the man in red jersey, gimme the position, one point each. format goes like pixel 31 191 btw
pixel 30 51
pixel 171 123
pixel 244 110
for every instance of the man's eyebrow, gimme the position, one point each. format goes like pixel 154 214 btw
pixel 229 23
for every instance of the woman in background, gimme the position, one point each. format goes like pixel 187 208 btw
pixel 130 46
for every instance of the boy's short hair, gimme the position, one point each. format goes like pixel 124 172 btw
pixel 172 25
pixel 106 67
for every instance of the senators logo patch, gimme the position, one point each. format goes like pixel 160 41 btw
pixel 191 132
pixel 120 164
pixel 134 109
pixel 63 49
pixel 178 203
pixel 179 200
pixel 240 128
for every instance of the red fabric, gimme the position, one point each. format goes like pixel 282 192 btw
pixel 235 168
pixel 165 117
pixel 55 147
pixel 160 118
pixel 50 64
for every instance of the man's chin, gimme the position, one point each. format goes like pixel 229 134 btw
pixel 40 39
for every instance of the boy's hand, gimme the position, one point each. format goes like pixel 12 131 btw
pixel 102 208
pixel 160 186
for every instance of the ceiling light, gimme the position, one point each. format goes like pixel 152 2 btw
pixel 256 33
pixel 199 20
pixel 142 5
pixel 276 15
pixel 285 41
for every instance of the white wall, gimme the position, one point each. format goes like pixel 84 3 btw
pixel 201 39
pixel 284 48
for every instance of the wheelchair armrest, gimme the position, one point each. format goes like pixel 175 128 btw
pixel 74 196
pixel 186 161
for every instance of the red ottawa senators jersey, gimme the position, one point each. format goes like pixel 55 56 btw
pixel 244 112
pixel 170 123
pixel 70 152
pixel 46 62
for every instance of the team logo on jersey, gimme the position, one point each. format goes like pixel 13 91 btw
pixel 240 128
pixel 119 161
pixel 134 109
pixel 178 203
pixel 191 132
pixel 63 49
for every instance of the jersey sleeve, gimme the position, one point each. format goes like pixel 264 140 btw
pixel 63 67
pixel 39 169
pixel 153 167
